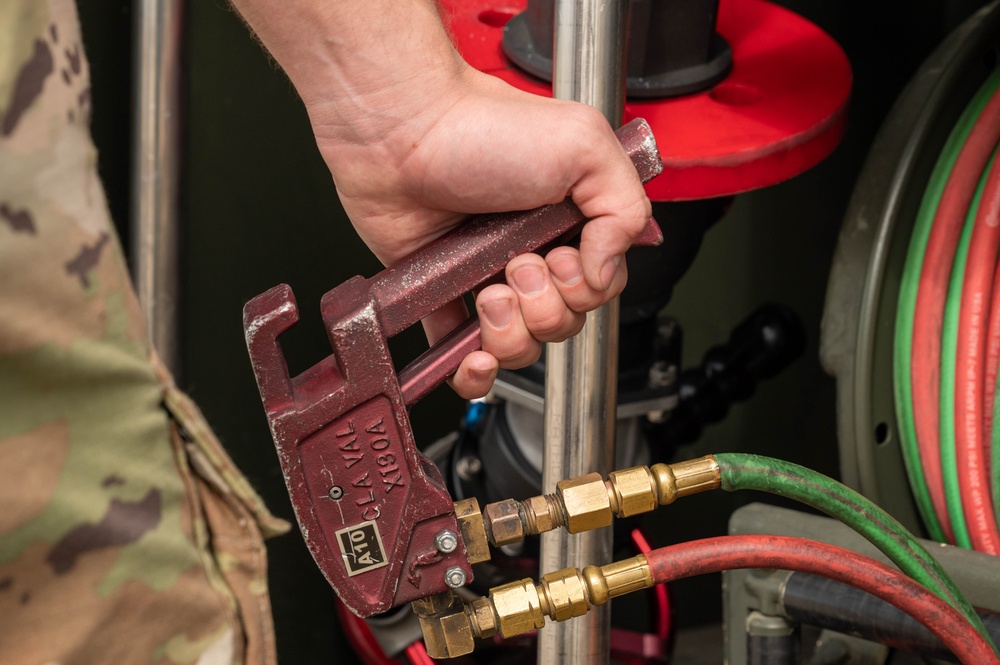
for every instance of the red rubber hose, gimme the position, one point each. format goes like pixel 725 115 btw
pixel 934 277
pixel 992 358
pixel 971 440
pixel 360 637
pixel 714 555
pixel 662 597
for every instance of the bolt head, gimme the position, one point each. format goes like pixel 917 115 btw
pixel 336 493
pixel 446 542
pixel 468 467
pixel 454 577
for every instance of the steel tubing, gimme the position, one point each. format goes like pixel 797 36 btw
pixel 156 139
pixel 581 374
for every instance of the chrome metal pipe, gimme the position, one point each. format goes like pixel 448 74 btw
pixel 156 152
pixel 581 373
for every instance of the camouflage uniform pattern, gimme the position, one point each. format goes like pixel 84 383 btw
pixel 126 533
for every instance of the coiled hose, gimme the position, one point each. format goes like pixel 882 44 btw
pixel 944 368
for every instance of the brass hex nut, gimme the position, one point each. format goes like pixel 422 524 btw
pixel 634 490
pixel 503 522
pixel 484 620
pixel 587 503
pixel 448 636
pixel 518 608
pixel 544 514
pixel 470 520
pixel 446 627
pixel 458 636
pixel 566 593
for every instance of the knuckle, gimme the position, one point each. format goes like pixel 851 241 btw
pixel 548 325
pixel 586 301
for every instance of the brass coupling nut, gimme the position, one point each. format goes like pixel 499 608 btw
pixel 586 501
pixel 632 491
pixel 518 608
pixel 564 594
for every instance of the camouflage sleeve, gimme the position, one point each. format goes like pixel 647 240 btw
pixel 126 534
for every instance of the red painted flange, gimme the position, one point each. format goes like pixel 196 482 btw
pixel 780 111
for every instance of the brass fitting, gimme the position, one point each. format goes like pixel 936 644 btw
pixel 445 625
pixel 543 513
pixel 564 594
pixel 522 606
pixel 482 617
pixel 451 628
pixel 674 481
pixel 632 491
pixel 504 522
pixel 518 608
pixel 470 520
pixel 586 502
pixel 617 579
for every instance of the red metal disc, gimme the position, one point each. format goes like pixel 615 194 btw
pixel 779 112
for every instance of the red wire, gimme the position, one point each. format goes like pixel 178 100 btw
pixel 713 555
pixel 417 653
pixel 360 637
pixel 662 597
pixel 935 273
pixel 367 647
pixel 971 443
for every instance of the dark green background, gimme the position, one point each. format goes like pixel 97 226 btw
pixel 258 207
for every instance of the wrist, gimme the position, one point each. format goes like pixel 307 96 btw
pixel 363 68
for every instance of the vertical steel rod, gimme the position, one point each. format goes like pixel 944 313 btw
pixel 156 126
pixel 581 373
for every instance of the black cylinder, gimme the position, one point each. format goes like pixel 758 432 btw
pixel 771 640
pixel 673 48
pixel 826 603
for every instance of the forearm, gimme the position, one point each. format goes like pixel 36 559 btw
pixel 362 67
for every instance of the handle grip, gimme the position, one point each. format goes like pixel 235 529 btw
pixel 485 239
pixel 479 250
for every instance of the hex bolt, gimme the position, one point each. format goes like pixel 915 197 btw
pixel 446 541
pixel 336 493
pixel 468 467
pixel 454 577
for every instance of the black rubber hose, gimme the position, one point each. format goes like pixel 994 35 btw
pixel 826 603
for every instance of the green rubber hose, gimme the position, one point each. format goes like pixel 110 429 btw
pixel 766 474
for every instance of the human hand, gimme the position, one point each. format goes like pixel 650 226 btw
pixel 417 141
pixel 486 148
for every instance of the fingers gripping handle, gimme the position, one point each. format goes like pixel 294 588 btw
pixel 478 252
pixel 480 249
